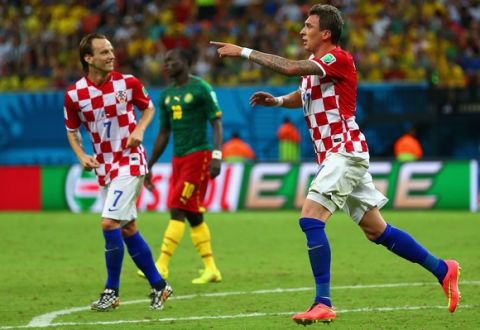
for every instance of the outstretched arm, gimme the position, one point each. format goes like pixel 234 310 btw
pixel 292 100
pixel 274 62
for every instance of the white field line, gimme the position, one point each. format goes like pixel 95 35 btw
pixel 46 320
pixel 235 316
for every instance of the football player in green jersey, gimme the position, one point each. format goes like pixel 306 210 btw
pixel 186 106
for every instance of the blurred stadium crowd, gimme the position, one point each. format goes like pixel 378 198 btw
pixel 405 40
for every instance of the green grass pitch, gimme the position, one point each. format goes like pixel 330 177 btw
pixel 52 268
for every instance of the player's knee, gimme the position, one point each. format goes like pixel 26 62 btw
pixel 312 209
pixel 372 233
pixel 177 214
pixel 373 224
pixel 109 224
pixel 129 229
pixel 372 237
pixel 195 219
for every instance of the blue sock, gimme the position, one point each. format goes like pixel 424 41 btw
pixel 320 256
pixel 405 246
pixel 142 256
pixel 114 250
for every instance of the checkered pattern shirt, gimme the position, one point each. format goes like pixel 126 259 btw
pixel 108 115
pixel 329 104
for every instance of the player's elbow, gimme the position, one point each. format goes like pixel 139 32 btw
pixel 73 134
pixel 149 112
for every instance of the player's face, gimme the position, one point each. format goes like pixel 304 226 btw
pixel 312 36
pixel 174 64
pixel 103 57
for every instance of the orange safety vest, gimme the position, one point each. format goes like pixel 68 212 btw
pixel 407 146
pixel 288 132
pixel 236 148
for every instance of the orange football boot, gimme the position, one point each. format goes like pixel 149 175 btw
pixel 450 284
pixel 316 313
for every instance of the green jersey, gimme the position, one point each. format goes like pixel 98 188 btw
pixel 186 110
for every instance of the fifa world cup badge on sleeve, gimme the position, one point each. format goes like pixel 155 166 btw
pixel 328 59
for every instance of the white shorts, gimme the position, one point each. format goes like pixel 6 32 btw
pixel 120 197
pixel 343 182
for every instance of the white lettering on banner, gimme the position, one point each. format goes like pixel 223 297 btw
pixel 380 168
pixel 258 186
pixel 474 195
pixel 83 193
pixel 222 193
pixel 407 184
pixel 279 185
pixel 156 200
pixel 305 175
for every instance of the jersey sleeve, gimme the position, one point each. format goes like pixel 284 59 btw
pixel 140 95
pixel 335 65
pixel 211 106
pixel 164 116
pixel 70 113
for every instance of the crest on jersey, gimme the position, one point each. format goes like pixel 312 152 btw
pixel 121 96
pixel 328 59
pixel 188 98
pixel 167 100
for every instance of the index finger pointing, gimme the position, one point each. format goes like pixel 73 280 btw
pixel 217 43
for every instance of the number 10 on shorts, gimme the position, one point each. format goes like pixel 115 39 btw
pixel 187 192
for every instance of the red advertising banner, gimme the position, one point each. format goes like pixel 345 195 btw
pixel 21 188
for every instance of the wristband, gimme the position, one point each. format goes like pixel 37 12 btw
pixel 279 101
pixel 245 53
pixel 217 154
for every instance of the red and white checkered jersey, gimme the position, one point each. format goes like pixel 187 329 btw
pixel 108 115
pixel 329 104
